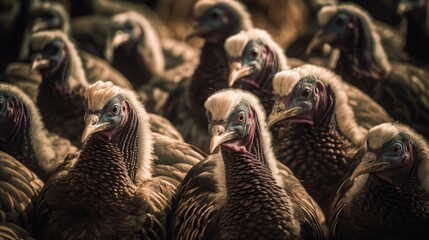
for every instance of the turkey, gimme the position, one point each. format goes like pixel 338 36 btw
pixel 416 28
pixel 19 187
pixel 63 84
pixel 317 133
pixel 121 183
pixel 133 47
pixel 386 196
pixel 254 59
pixel 242 192
pixel 217 20
pixel 398 87
pixel 23 134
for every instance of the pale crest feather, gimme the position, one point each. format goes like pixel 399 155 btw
pixel 378 51
pixel 103 92
pixel 44 5
pixel 380 134
pixel 150 40
pixel 235 44
pixel 203 6
pixel 284 81
pixel 42 145
pixel 344 113
pixel 76 76
pixel 218 100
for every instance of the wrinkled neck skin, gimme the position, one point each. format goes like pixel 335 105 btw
pixel 15 138
pixel 248 174
pixel 262 84
pixel 357 64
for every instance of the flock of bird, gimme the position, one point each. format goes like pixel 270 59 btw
pixel 108 130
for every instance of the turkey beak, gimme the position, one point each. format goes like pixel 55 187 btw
pixel 280 113
pixel 219 136
pixel 197 31
pixel 319 38
pixel 38 62
pixel 119 38
pixel 368 164
pixel 92 126
pixel 237 71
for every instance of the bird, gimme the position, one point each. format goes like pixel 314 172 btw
pixel 216 21
pixel 254 58
pixel 241 191
pixel 120 184
pixel 397 86
pixel 415 28
pixel 63 85
pixel 385 195
pixel 317 133
pixel 24 136
pixel 133 47
pixel 19 188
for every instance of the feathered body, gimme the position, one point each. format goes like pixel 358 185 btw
pixel 242 191
pixel 24 135
pixel 116 187
pixel 386 196
pixel 19 187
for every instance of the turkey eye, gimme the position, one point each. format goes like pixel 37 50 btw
pixel 396 149
pixel 339 21
pixel 240 118
pixel 305 93
pixel 254 53
pixel 114 110
pixel 54 50
pixel 214 15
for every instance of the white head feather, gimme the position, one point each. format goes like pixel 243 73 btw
pixel 327 12
pixel 150 40
pixel 76 75
pixel 220 105
pixel 99 93
pixel 286 80
pixel 203 6
pixel 42 145
pixel 235 45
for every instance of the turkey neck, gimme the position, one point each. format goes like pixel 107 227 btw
pixel 132 64
pixel 317 154
pixel 19 143
pixel 209 76
pixel 357 64
pixel 393 206
pixel 255 205
pixel 106 171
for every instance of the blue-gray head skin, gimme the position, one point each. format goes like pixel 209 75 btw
pixel 235 119
pixel 350 29
pixel 308 94
pixel 254 59
pixel 393 150
pixel 41 17
pixel 217 20
pixel 56 58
